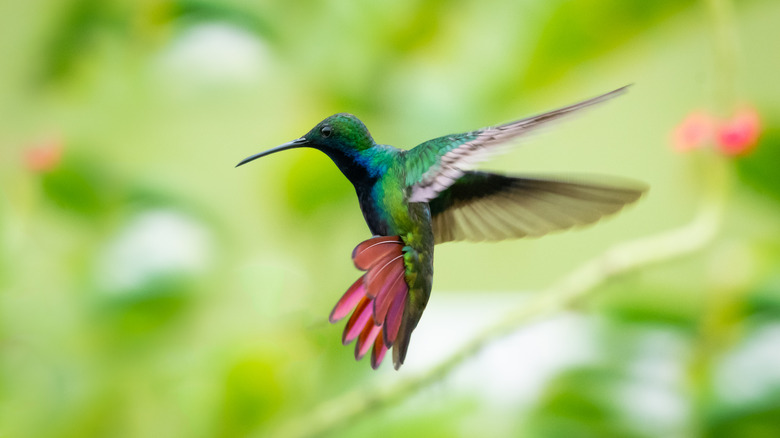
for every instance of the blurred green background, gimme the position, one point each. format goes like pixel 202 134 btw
pixel 148 288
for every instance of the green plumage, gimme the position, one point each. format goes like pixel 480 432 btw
pixel 430 194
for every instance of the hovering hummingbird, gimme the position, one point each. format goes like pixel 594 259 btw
pixel 414 199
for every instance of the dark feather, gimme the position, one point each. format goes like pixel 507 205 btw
pixel 488 206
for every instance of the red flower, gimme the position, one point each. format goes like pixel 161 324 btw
pixel 739 134
pixel 734 136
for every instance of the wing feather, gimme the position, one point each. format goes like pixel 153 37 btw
pixel 488 206
pixel 439 163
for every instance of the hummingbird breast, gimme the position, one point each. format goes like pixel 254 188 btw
pixel 376 221
pixel 387 212
pixel 386 209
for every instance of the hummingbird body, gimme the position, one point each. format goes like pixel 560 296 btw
pixel 414 199
pixel 378 173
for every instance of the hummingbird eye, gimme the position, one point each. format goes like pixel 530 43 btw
pixel 326 131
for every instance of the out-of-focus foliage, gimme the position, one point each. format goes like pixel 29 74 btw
pixel 757 170
pixel 148 288
pixel 578 31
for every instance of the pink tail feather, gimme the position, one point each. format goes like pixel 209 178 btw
pixel 359 318
pixel 378 353
pixel 378 298
pixel 348 301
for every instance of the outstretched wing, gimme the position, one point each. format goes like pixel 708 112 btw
pixel 487 206
pixel 436 164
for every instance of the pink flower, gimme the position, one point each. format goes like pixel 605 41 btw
pixel 739 134
pixel 44 156
pixel 693 132
pixel 733 137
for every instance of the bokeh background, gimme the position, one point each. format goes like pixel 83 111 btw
pixel 149 288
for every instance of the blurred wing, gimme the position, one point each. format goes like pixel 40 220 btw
pixel 437 164
pixel 487 206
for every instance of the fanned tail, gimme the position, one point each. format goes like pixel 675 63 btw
pixel 378 298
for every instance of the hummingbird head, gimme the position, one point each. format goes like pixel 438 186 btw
pixel 340 136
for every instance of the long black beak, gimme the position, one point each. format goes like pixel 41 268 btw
pixel 300 142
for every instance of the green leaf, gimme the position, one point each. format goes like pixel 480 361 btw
pixel 80 186
pixel 759 168
pixel 581 30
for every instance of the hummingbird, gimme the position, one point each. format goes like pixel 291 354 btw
pixel 415 199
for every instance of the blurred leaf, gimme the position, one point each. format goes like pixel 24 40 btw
pixel 314 183
pixel 97 416
pixel 438 419
pixel 756 420
pixel 641 302
pixel 759 168
pixel 74 36
pixel 764 301
pixel 141 196
pixel 80 185
pixel 581 30
pixel 580 403
pixel 188 12
pixel 421 25
pixel 135 314
pixel 252 394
